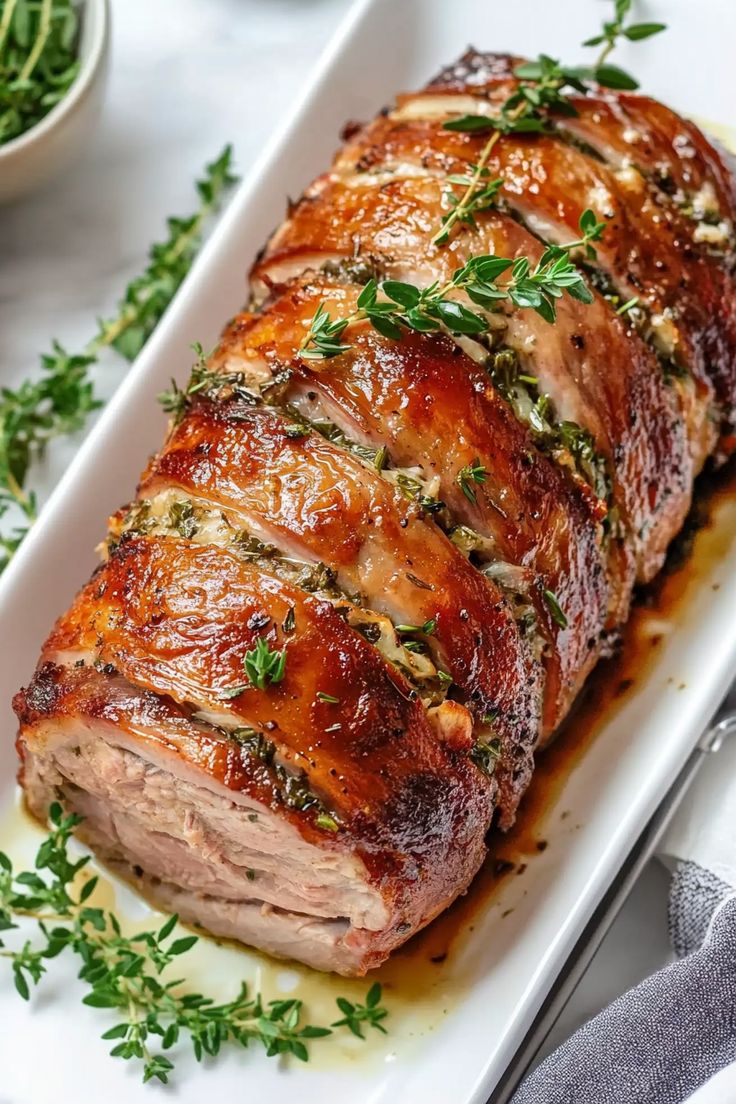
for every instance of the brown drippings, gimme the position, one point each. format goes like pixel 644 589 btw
pixel 603 695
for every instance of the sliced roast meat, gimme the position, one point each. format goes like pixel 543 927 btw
pixel 363 578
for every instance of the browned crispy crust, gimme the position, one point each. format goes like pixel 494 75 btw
pixel 154 642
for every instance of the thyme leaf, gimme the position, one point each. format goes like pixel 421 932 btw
pixel 485 755
pixel 554 607
pixel 264 665
pixel 356 1015
pixel 330 699
pixel 610 76
pixel 470 474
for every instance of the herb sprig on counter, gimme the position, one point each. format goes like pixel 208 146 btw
pixel 60 400
pixel 127 974
pixel 38 60
pixel 426 310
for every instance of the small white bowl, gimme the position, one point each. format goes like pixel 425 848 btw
pixel 31 159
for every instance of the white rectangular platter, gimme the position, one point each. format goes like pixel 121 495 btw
pixel 452 1034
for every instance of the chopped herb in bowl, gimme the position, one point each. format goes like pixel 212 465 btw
pixel 39 60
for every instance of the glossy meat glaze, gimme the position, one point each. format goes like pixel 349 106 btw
pixel 432 637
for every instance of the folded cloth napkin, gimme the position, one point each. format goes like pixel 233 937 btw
pixel 664 1040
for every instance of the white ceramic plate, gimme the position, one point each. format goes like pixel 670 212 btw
pixel 454 1031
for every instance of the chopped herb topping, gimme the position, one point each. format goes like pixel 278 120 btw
pixel 183 518
pixel 324 820
pixel 292 788
pixel 485 755
pixel 418 582
pixel 413 490
pixel 470 474
pixel 558 615
pixel 381 459
pixel 255 743
pixel 427 628
pixel 317 577
pixel 176 401
pixel 627 306
pixel 330 698
pixel 289 623
pixel 251 548
pixel 552 436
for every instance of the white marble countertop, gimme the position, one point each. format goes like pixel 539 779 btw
pixel 188 76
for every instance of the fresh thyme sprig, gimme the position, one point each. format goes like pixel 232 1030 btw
pixel 471 474
pixel 126 973
pixel 263 666
pixel 61 399
pixel 426 310
pixel 355 1015
pixel 610 76
pixel 541 93
pixel 479 194
pixel 176 400
pixel 38 60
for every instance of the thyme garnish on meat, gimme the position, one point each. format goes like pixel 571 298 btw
pixel 263 666
pixel 467 476
pixel 62 398
pixel 479 194
pixel 555 609
pixel 127 974
pixel 427 628
pixel 176 400
pixel 526 110
pixel 529 109
pixel 485 755
pixel 427 310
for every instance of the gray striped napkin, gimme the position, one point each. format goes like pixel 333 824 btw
pixel 664 1039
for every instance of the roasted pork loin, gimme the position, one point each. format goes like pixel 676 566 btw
pixel 429 634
